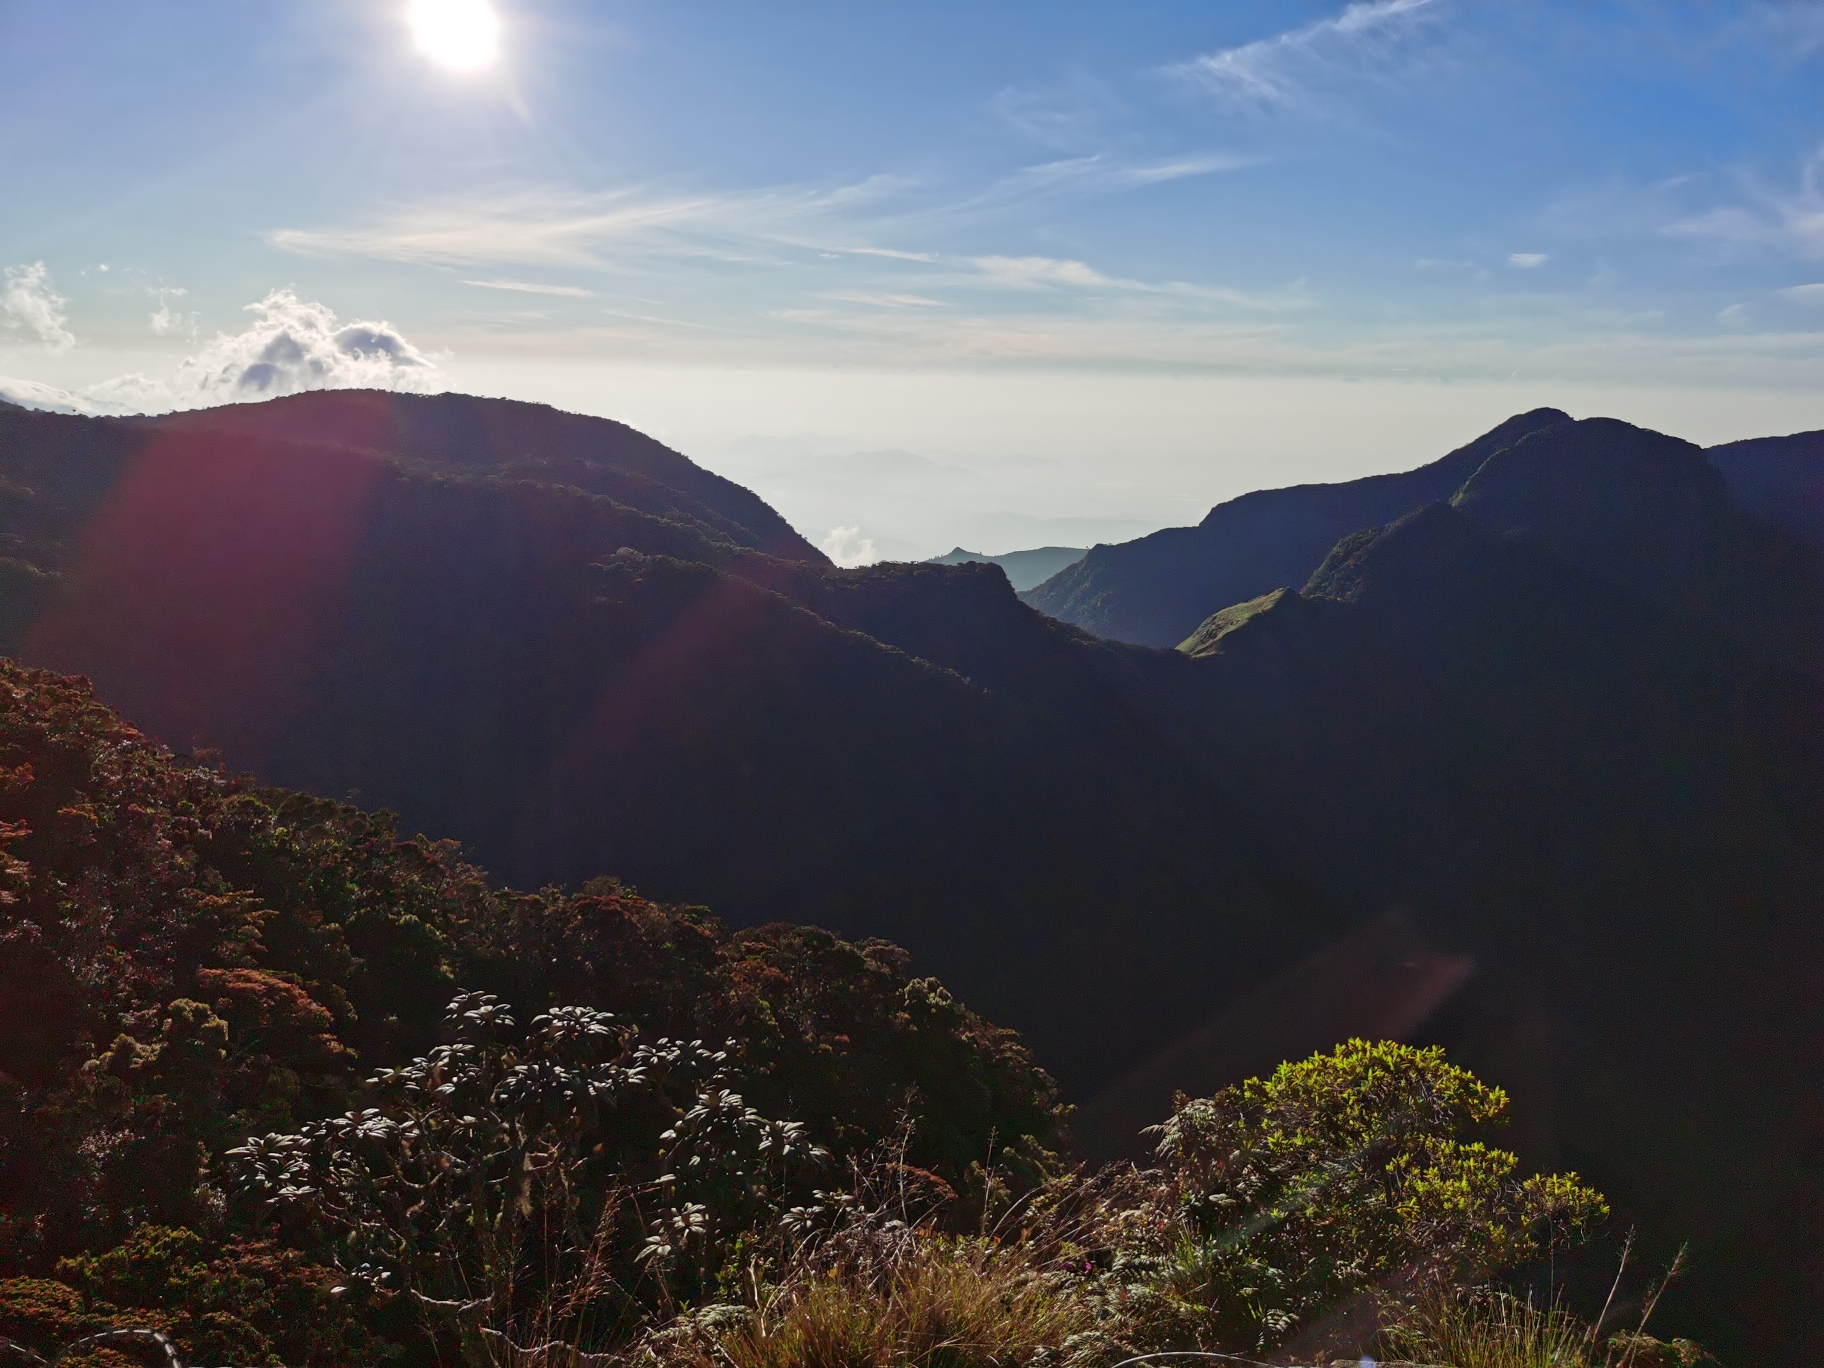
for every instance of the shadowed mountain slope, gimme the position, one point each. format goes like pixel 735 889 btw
pixel 1780 478
pixel 1649 514
pixel 1556 723
pixel 572 685
pixel 1606 804
pixel 1155 591
pixel 510 440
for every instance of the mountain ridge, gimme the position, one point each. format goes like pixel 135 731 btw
pixel 1535 730
pixel 1156 590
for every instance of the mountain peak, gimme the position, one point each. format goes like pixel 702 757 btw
pixel 1626 503
pixel 1157 590
pixel 513 439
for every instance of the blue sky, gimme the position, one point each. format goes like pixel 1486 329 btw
pixel 1077 269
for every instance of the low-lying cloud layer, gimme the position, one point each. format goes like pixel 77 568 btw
pixel 292 345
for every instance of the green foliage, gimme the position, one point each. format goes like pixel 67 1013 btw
pixel 251 1304
pixel 217 980
pixel 1279 1201
pixel 42 1314
pixel 192 960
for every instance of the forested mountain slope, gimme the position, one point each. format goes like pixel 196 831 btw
pixel 1562 717
pixel 573 685
pixel 190 959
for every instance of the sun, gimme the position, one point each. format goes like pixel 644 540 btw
pixel 458 35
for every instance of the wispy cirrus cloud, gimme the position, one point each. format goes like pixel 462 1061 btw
pixel 1288 70
pixel 1066 115
pixel 549 227
pixel 533 287
pixel 1040 273
pixel 885 301
pixel 1097 174
pixel 529 227
pixel 1789 221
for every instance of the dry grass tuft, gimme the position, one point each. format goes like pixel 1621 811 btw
pixel 937 1303
pixel 1494 1331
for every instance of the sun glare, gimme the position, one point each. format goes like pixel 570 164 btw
pixel 458 35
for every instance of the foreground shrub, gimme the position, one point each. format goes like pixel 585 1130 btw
pixel 519 1187
pixel 1287 1200
pixel 254 1305
pixel 190 959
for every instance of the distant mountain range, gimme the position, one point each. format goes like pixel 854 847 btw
pixel 565 646
pixel 1517 751
pixel 1025 569
pixel 1156 590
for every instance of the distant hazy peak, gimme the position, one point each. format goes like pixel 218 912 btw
pixel 1155 591
pixel 1024 569
pixel 1441 477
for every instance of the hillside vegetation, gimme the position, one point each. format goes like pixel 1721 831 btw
pixel 1526 767
pixel 570 685
pixel 265 1093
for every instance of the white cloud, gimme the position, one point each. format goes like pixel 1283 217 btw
pixel 616 229
pixel 531 227
pixel 1280 72
pixel 1525 261
pixel 1032 272
pixel 291 346
pixel 29 301
pixel 1036 273
pixel 1805 294
pixel 529 287
pixel 294 345
pixel 1154 172
pixel 885 301
pixel 1098 173
pixel 31 394
pixel 848 548
pixel 890 254
pixel 168 320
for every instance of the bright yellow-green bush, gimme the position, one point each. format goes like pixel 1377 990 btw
pixel 1277 1202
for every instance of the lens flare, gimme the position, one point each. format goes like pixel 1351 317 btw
pixel 458 35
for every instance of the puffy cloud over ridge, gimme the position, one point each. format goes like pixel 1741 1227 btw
pixel 292 345
pixel 296 345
